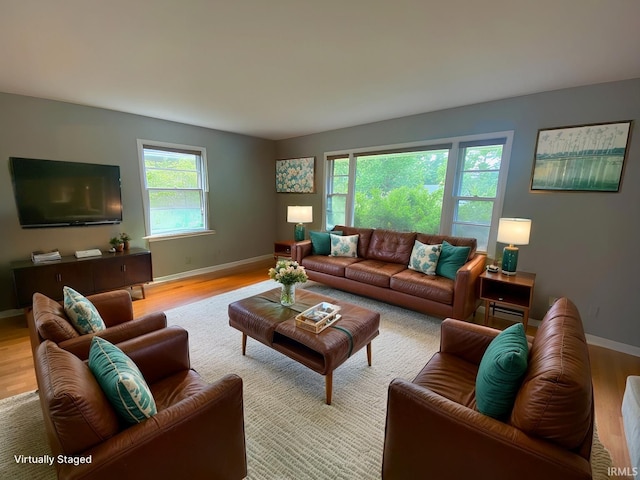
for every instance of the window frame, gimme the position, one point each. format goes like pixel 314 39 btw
pixel 453 176
pixel 204 188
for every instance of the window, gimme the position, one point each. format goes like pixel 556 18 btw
pixel 451 186
pixel 175 188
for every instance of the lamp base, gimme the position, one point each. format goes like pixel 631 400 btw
pixel 298 232
pixel 509 260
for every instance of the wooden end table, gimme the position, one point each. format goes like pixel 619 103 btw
pixel 512 291
pixel 282 249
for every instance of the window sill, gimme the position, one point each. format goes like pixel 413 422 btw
pixel 175 236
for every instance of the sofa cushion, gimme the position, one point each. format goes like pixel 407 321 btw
pixel 344 246
pixel 390 246
pixel 555 401
pixel 450 376
pixel 502 367
pixel 81 312
pixel 321 242
pixel 424 258
pixel 334 266
pixel 51 320
pixel 121 381
pixel 438 289
pixel 451 259
pixel 430 239
pixel 364 235
pixel 373 272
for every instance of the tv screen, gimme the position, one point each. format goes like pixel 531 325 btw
pixel 52 193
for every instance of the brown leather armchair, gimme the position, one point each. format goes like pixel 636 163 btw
pixel 434 430
pixel 198 431
pixel 47 320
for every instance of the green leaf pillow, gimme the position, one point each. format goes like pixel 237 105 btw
pixel 451 259
pixel 501 371
pixel 81 312
pixel 424 258
pixel 321 242
pixel 121 381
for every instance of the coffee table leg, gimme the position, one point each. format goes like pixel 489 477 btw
pixel 244 343
pixel 328 386
pixel 369 353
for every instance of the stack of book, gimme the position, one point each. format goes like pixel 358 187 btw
pixel 43 257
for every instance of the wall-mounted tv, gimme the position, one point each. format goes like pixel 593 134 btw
pixel 52 193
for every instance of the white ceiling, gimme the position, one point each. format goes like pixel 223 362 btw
pixel 284 68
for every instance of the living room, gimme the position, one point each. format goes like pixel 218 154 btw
pixel 582 243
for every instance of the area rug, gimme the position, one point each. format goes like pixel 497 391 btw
pixel 290 432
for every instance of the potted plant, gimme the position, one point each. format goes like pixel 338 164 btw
pixel 117 244
pixel 125 240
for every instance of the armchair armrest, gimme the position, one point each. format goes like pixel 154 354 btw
pixel 119 333
pixel 429 436
pixel 465 340
pixel 114 307
pixel 466 289
pixel 201 436
pixel 301 249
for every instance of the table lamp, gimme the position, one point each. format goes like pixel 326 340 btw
pixel 513 231
pixel 299 216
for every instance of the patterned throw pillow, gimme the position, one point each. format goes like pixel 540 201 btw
pixel 346 246
pixel 121 381
pixel 424 258
pixel 81 312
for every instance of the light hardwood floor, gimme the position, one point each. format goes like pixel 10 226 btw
pixel 609 368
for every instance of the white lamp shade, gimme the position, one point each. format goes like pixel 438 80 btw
pixel 514 231
pixel 296 214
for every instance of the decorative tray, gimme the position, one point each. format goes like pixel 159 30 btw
pixel 318 317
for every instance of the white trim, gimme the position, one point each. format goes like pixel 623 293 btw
pixel 11 313
pixel 175 236
pixel 215 268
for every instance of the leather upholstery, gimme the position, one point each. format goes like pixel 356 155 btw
pixel 47 320
pixel 433 429
pixel 381 272
pixel 198 431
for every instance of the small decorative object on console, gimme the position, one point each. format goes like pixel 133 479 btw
pixel 318 317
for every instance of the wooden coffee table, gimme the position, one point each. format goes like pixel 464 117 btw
pixel 262 318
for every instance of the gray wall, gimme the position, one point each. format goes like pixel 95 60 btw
pixel 241 168
pixel 583 245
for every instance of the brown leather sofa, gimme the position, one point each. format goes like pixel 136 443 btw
pixel 381 272
pixel 433 429
pixel 47 320
pixel 197 433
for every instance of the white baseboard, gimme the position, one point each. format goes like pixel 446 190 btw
pixel 215 268
pixel 11 313
pixel 591 339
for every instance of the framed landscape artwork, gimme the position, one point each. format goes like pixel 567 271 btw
pixel 587 158
pixel 295 175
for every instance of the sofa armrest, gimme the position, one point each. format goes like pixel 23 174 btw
pixel 301 249
pixel 119 333
pixel 430 436
pixel 466 289
pixel 114 307
pixel 465 340
pixel 201 436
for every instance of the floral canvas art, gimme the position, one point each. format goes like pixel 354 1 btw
pixel 295 175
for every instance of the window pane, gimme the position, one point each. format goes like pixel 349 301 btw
pixel 479 184
pixel 175 210
pixel 474 211
pixel 483 158
pixel 402 191
pixel 341 185
pixel 172 179
pixel 478 232
pixel 336 211
pixel 341 166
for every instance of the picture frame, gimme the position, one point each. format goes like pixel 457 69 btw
pixel 583 158
pixel 295 175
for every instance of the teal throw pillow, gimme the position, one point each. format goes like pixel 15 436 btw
pixel 501 371
pixel 424 258
pixel 321 242
pixel 81 312
pixel 451 259
pixel 346 246
pixel 121 381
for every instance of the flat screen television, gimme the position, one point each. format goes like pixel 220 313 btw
pixel 51 193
